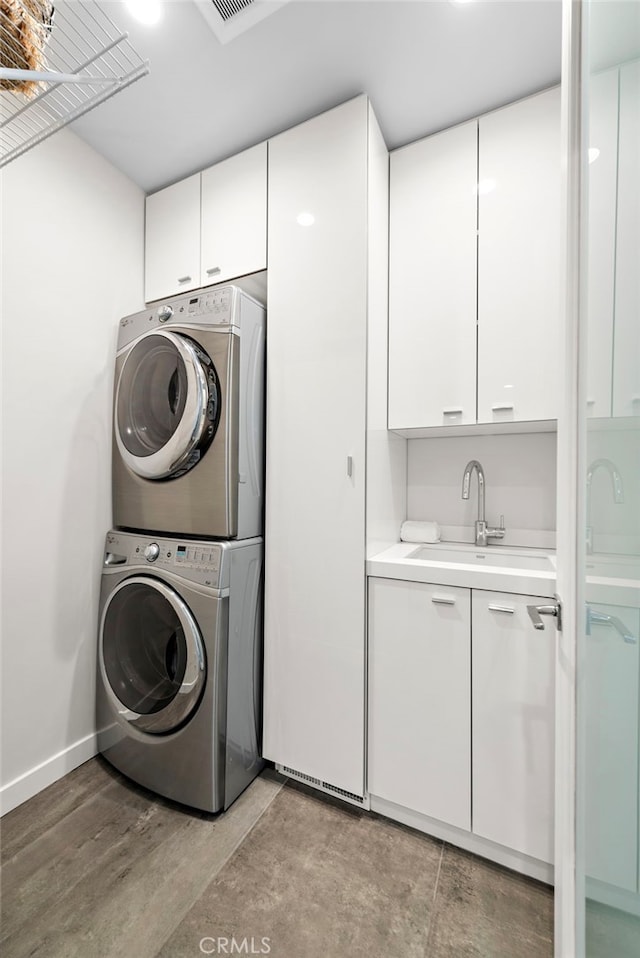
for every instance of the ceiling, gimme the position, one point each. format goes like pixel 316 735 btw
pixel 425 64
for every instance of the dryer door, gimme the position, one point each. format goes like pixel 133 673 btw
pixel 167 405
pixel 152 656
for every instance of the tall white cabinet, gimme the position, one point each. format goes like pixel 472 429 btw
pixel 327 193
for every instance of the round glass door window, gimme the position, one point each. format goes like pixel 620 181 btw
pixel 152 655
pixel 167 405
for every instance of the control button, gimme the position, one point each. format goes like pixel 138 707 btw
pixel 168 555
pixel 164 313
pixel 152 551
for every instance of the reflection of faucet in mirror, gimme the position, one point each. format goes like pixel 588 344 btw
pixel 618 492
pixel 482 532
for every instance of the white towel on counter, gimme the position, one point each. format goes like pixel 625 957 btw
pixel 415 531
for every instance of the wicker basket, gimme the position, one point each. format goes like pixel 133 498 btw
pixel 25 26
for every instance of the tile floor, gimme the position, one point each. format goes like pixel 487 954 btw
pixel 95 867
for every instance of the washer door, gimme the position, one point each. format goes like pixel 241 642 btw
pixel 167 405
pixel 152 655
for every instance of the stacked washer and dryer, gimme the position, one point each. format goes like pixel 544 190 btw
pixel 180 627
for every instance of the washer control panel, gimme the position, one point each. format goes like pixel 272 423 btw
pixel 197 561
pixel 151 552
pixel 198 556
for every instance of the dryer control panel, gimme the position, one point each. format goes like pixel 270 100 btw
pixel 212 307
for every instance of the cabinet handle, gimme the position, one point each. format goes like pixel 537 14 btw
pixel 443 599
pixel 213 271
pixel 451 411
pixel 502 407
pixel 603 618
pixel 184 279
pixel 349 466
pixel 502 608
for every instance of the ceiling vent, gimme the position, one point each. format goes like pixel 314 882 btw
pixel 229 18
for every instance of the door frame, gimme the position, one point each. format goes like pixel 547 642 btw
pixel 569 900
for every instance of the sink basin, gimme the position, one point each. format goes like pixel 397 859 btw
pixel 501 559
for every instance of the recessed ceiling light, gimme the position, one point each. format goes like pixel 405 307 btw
pixel 305 219
pixel 148 12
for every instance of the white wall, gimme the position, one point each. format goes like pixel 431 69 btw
pixel 520 473
pixel 72 265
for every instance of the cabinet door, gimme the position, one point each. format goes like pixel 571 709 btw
pixel 234 216
pixel 601 246
pixel 626 370
pixel 513 724
pixel 432 291
pixel 611 753
pixel 316 389
pixel 419 698
pixel 519 261
pixel 172 239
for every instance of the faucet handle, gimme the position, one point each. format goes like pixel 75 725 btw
pixel 498 533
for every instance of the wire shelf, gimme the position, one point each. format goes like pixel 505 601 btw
pixel 57 63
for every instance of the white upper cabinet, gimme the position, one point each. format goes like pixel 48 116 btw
pixel 234 216
pixel 474 295
pixel 519 261
pixel 172 239
pixel 432 271
pixel 208 228
pixel 626 379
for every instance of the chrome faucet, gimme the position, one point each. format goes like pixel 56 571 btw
pixel 618 492
pixel 483 533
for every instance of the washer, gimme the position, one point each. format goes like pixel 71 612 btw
pixel 179 665
pixel 188 416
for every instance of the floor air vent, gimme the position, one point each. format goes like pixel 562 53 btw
pixel 229 18
pixel 324 786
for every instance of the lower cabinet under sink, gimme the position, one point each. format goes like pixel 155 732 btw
pixel 461 718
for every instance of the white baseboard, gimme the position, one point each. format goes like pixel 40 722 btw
pixel 614 897
pixel 472 843
pixel 36 779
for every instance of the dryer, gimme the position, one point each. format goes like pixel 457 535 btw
pixel 188 416
pixel 179 665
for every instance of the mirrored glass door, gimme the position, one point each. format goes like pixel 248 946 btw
pixel 608 648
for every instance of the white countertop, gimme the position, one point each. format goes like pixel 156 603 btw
pixel 611 580
pixel 462 565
